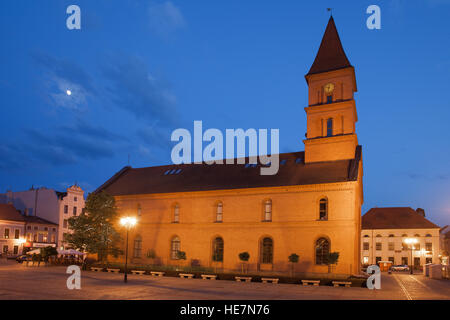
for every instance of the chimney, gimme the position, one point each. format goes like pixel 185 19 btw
pixel 421 212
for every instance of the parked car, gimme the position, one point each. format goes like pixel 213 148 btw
pixel 401 267
pixel 23 258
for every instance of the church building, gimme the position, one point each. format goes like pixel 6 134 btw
pixel 311 207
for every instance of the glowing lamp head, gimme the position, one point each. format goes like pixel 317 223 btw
pixel 21 240
pixel 410 240
pixel 68 92
pixel 128 221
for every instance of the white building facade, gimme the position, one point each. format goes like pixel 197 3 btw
pixel 383 235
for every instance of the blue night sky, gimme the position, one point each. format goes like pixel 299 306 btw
pixel 140 69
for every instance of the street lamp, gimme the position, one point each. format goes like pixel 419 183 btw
pixel 127 222
pixel 411 242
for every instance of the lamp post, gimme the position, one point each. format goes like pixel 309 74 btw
pixel 127 222
pixel 411 242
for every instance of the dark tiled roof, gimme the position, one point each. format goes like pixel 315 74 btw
pixel 331 55
pixel 395 218
pixel 203 177
pixel 38 220
pixel 9 212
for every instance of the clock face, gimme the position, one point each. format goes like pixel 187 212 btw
pixel 329 87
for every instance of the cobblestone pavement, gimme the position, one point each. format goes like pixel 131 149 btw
pixel 20 282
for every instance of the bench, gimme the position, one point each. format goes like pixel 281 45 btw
pixel 244 279
pixel 269 280
pixel 113 270
pixel 308 282
pixel 157 273
pixel 209 276
pixel 97 269
pixel 186 275
pixel 140 272
pixel 339 283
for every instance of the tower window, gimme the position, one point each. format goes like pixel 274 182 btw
pixel 329 99
pixel 329 127
pixel 323 209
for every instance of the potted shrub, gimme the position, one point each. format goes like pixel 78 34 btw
pixel 244 257
pixel 293 258
pixel 332 260
pixel 181 255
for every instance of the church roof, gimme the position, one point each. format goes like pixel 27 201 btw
pixel 203 177
pixel 331 55
pixel 395 218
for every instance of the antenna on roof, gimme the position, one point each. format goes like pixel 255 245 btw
pixel 329 10
pixel 128 159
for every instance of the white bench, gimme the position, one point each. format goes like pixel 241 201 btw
pixel 269 280
pixel 308 282
pixel 209 276
pixel 140 272
pixel 339 283
pixel 157 273
pixel 186 275
pixel 97 269
pixel 244 279
pixel 113 270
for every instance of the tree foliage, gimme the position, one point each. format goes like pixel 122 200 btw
pixel 93 230
pixel 244 256
pixel 293 258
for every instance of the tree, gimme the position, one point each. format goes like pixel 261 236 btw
pixel 332 259
pixel 293 258
pixel 48 252
pixel 93 229
pixel 244 257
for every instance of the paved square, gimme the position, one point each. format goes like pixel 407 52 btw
pixel 21 282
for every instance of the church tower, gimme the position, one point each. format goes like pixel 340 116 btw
pixel 331 111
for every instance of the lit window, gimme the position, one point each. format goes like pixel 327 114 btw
pixel 16 234
pixel 365 260
pixel 6 234
pixel 428 246
pixel 176 213
pixel 323 209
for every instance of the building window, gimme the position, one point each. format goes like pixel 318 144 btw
pixel 391 246
pixel 391 235
pixel 35 237
pixel 417 246
pixel 29 235
pixel 174 247
pixel 404 246
pixel 267 250
pixel 365 246
pixel 139 210
pixel 75 199
pixel 428 260
pixel 268 210
pixel 329 99
pixel 366 236
pixel 6 233
pixel 322 250
pixel 29 228
pixel 66 208
pixel 323 209
pixel 16 234
pixel 15 249
pixel 391 259
pixel 5 249
pixel 428 235
pixel 74 211
pixel 137 247
pixel 329 127
pixel 54 229
pixel 219 213
pixel 65 223
pixel 378 246
pixel 365 260
pixel 378 235
pixel 53 238
pixel 36 228
pixel 218 249
pixel 405 261
pixel 377 259
pixel 45 228
pixel 428 246
pixel 45 238
pixel 176 213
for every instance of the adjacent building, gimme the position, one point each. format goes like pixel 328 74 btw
pixel 47 212
pixel 383 235
pixel 445 244
pixel 311 207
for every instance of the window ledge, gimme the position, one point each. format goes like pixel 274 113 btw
pixel 266 220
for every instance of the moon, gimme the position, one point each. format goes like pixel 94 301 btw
pixel 68 92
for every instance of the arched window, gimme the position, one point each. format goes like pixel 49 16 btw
pixel 404 235
pixel 323 209
pixel 417 235
pixel 391 235
pixel 267 250
pixel 175 246
pixel 322 250
pixel 428 235
pixel 329 127
pixel 366 236
pixel 137 249
pixel 176 213
pixel 219 212
pixel 218 249
pixel 378 235
pixel 268 210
